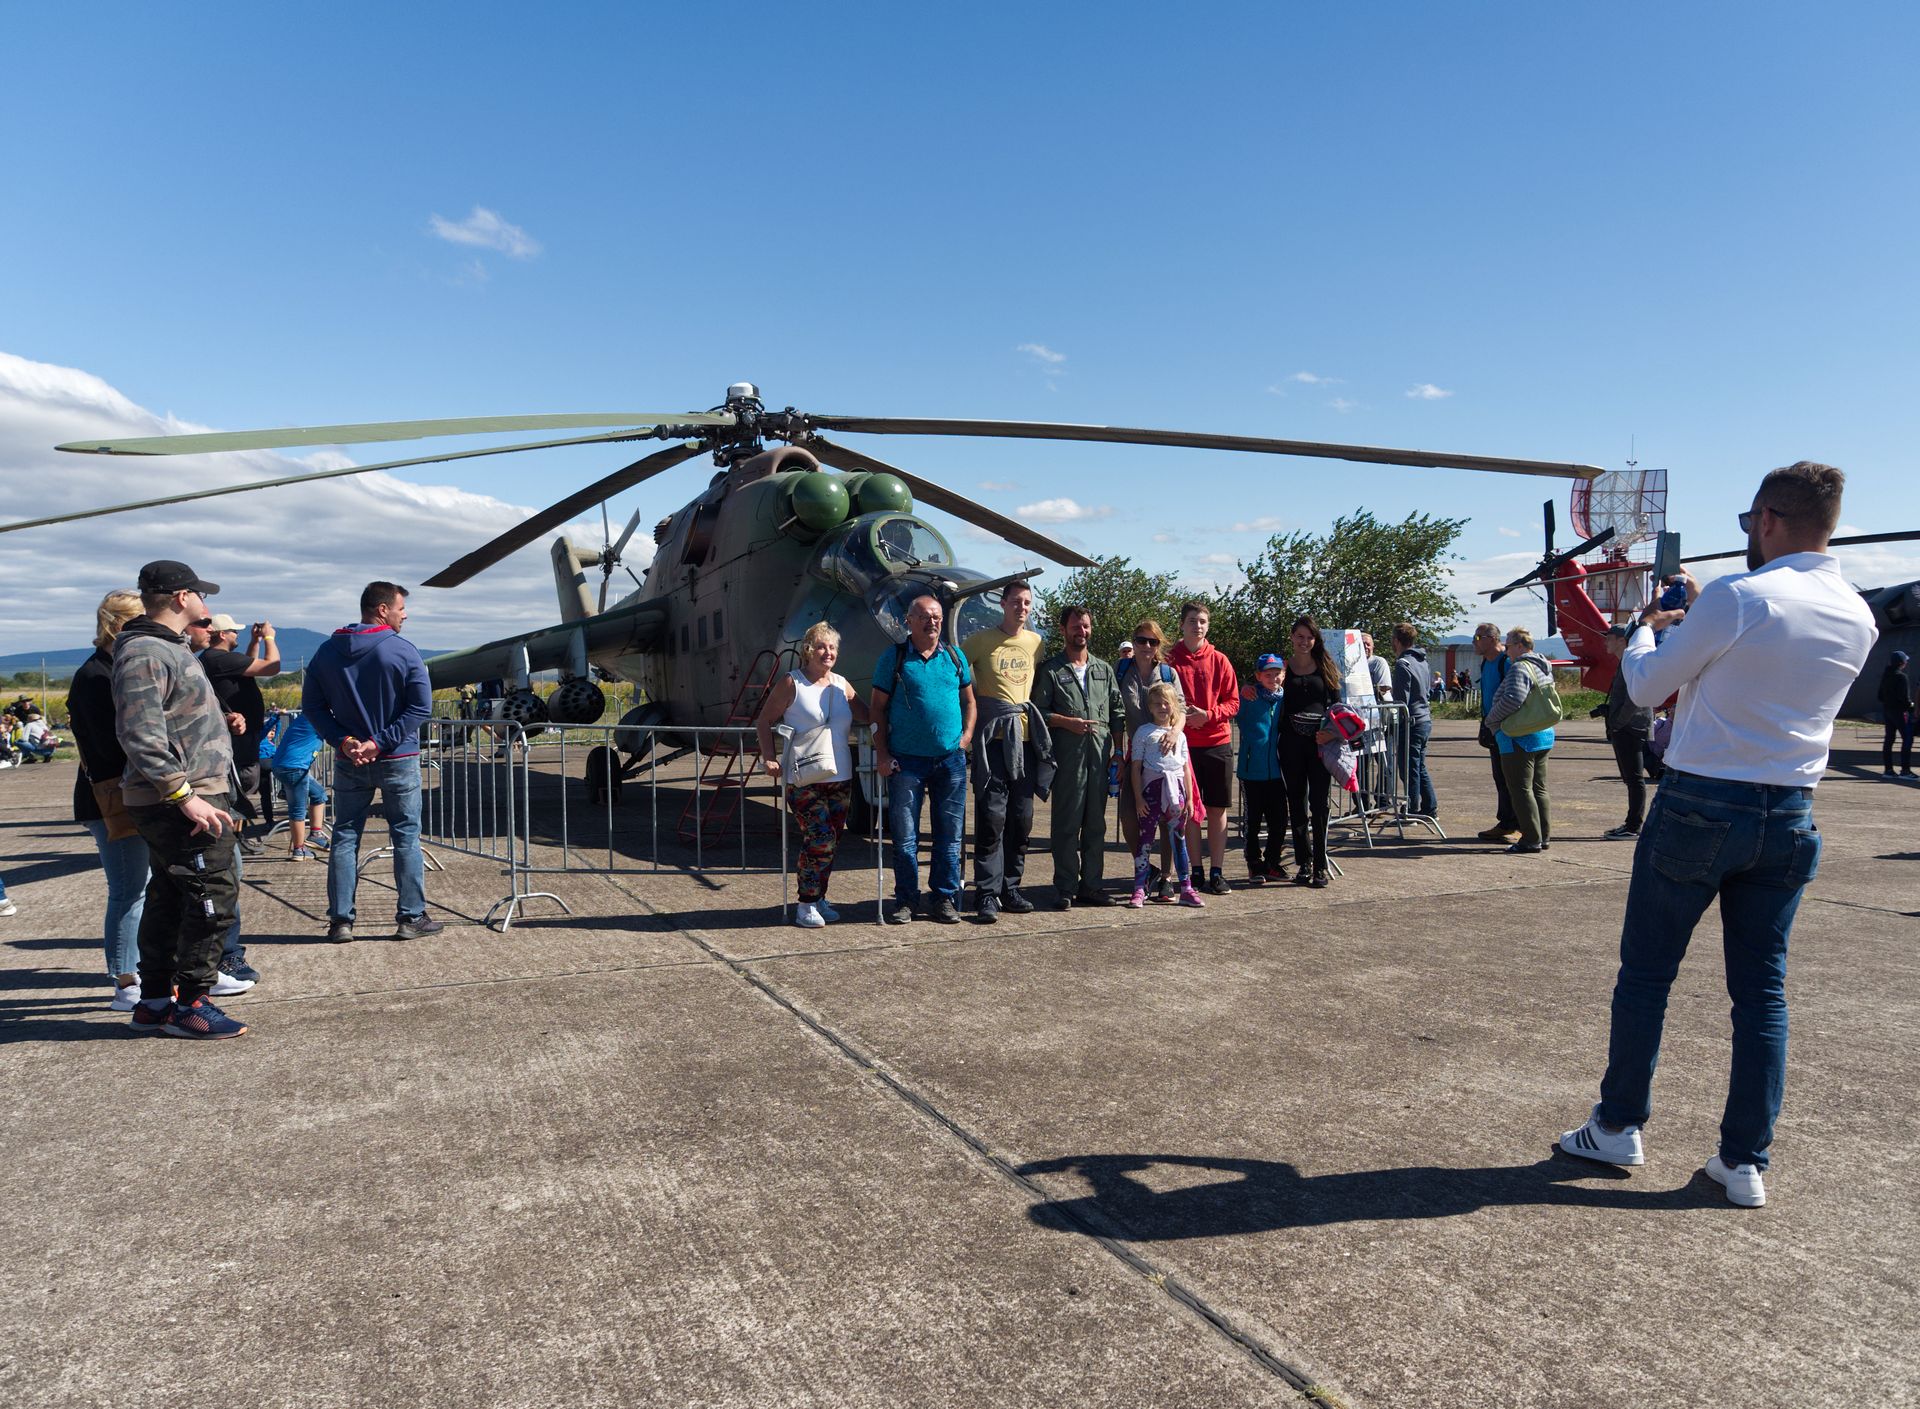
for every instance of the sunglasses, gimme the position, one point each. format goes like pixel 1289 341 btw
pixel 1746 518
pixel 1146 640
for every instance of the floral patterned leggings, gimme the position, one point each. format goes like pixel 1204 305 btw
pixel 821 810
pixel 1175 817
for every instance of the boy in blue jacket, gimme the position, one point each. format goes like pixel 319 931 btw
pixel 1263 790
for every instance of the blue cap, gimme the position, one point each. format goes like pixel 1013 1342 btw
pixel 1270 662
pixel 1898 656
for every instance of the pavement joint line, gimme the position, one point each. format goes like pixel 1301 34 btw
pixel 1112 1242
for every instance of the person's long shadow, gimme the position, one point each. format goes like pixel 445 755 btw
pixel 1260 1196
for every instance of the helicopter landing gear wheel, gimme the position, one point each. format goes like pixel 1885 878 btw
pixel 634 735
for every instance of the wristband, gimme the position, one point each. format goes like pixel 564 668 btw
pixel 179 795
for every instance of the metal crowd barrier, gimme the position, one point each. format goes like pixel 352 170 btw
pixel 1384 799
pixel 559 800
pixel 478 803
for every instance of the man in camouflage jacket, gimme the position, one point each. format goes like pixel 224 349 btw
pixel 176 787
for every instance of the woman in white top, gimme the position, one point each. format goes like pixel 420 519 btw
pixel 820 708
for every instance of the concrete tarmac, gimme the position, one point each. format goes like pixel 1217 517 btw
pixel 1296 1147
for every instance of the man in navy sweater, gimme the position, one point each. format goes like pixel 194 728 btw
pixel 367 695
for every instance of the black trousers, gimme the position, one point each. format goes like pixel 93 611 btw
pixel 1266 802
pixel 1002 821
pixel 1902 726
pixel 1307 784
pixel 1503 812
pixel 193 897
pixel 1629 756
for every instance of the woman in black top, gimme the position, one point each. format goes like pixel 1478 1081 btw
pixel 1312 687
pixel 96 799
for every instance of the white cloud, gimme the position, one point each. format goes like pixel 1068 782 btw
pixel 1506 532
pixel 1266 523
pixel 1314 379
pixel 485 229
pixel 1217 560
pixel 1061 511
pixel 998 486
pixel 1427 391
pixel 1342 404
pixel 1847 530
pixel 297 556
pixel 1166 538
pixel 1042 354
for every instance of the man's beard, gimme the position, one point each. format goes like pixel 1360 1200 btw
pixel 1754 559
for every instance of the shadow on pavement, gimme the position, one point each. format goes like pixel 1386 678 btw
pixel 1259 1196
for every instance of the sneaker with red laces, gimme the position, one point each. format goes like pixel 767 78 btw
pixel 202 1020
pixel 150 1019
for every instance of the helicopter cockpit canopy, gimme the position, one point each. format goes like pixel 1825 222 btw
pixel 888 601
pixel 862 551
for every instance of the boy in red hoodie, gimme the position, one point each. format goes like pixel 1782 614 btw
pixel 1213 699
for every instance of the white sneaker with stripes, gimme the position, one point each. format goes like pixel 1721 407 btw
pixel 1595 1142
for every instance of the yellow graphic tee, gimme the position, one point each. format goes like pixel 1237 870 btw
pixel 1003 665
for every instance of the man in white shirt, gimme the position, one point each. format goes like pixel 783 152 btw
pixel 1762 663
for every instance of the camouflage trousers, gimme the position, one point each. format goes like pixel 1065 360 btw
pixel 193 896
pixel 821 810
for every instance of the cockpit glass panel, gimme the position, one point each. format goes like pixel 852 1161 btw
pixel 845 559
pixel 908 543
pixel 889 602
pixel 977 613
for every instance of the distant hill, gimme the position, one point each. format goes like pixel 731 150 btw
pixel 296 644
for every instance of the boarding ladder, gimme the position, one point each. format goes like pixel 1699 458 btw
pixel 729 763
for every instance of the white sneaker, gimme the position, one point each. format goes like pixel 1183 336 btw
pixel 124 997
pixel 808 916
pixel 226 986
pixel 1741 1181
pixel 7 907
pixel 1595 1142
pixel 827 912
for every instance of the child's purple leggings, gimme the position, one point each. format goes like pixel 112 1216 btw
pixel 1175 817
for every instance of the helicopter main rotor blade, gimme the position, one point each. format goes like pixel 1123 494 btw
pixel 961 507
pixel 1123 435
pixel 191 495
pixel 1850 540
pixel 387 430
pixel 555 515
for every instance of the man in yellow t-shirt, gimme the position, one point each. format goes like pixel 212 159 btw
pixel 1002 658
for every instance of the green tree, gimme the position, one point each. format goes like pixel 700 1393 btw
pixel 1364 573
pixel 1118 594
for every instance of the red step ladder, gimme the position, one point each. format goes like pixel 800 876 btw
pixel 728 764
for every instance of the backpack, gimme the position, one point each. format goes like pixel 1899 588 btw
pixel 1166 671
pixel 1541 709
pixel 900 662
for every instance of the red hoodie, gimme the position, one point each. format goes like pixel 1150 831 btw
pixel 1207 677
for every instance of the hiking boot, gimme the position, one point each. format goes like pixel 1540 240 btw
pixel 1742 1182
pixel 1499 833
pixel 340 931
pixel 1014 903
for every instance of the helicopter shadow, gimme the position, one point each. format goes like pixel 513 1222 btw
pixel 1263 1196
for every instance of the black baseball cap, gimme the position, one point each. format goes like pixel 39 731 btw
pixel 166 575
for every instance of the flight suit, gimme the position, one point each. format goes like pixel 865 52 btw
pixel 1082 760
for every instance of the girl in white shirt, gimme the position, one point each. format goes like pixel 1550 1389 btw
pixel 1162 781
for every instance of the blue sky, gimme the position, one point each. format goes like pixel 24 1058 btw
pixel 1685 228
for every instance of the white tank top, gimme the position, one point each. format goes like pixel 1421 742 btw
pixel 823 706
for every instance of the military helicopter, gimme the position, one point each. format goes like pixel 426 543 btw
pixel 783 535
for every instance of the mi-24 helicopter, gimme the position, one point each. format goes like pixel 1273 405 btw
pixel 783 535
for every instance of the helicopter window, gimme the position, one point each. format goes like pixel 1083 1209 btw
pixel 845 559
pixel 703 633
pixel 716 624
pixel 683 637
pixel 976 614
pixel 889 602
pixel 905 542
pixel 700 528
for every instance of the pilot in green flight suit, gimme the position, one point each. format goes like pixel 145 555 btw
pixel 1080 698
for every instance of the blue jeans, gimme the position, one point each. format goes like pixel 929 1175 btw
pixel 125 862
pixel 944 782
pixel 1754 847
pixel 1421 798
pixel 398 780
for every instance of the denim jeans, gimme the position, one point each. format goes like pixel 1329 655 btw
pixel 1421 798
pixel 398 780
pixel 1754 847
pixel 943 781
pixel 125 862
